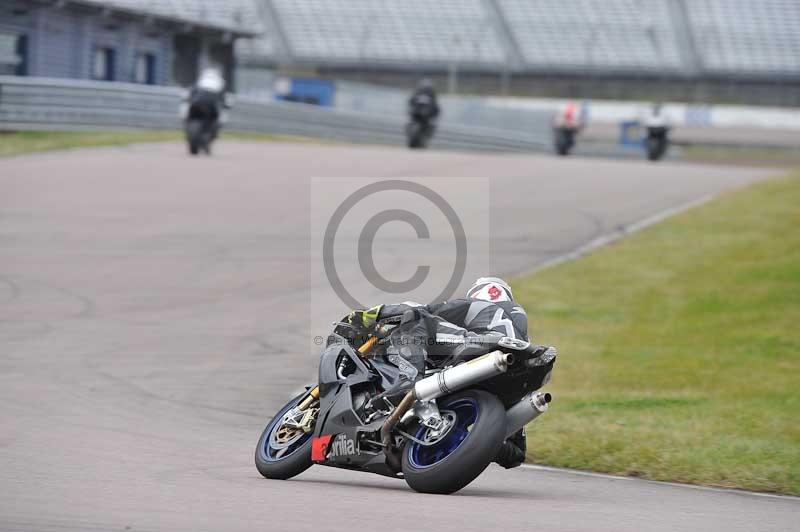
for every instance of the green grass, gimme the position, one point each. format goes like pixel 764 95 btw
pixel 742 155
pixel 22 142
pixel 680 348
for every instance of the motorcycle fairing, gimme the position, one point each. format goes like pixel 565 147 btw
pixel 338 421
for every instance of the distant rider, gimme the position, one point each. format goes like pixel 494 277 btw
pixel 657 127
pixel 655 117
pixel 567 123
pixel 423 106
pixel 207 100
pixel 568 117
pixel 440 333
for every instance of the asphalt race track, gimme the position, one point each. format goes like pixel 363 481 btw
pixel 153 316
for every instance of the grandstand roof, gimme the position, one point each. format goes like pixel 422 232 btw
pixel 239 17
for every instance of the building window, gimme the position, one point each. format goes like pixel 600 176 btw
pixel 103 64
pixel 144 70
pixel 13 54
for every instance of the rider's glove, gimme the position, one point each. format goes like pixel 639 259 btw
pixel 365 319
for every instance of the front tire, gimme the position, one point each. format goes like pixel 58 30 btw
pixel 464 452
pixel 653 149
pixel 297 457
pixel 414 135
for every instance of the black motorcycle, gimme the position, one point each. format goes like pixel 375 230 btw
pixel 564 139
pixel 419 133
pixel 202 122
pixel 423 111
pixel 370 413
pixel 657 142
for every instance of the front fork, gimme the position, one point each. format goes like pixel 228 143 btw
pixel 312 396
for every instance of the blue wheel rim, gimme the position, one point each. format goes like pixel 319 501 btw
pixel 267 452
pixel 422 456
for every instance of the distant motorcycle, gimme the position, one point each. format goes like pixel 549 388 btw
pixel 657 142
pixel 204 111
pixel 422 110
pixel 567 122
pixel 201 125
pixel 438 433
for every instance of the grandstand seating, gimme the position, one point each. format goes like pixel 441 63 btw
pixel 743 35
pixel 629 36
pixel 608 35
pixel 407 31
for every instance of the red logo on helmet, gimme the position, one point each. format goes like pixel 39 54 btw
pixel 494 292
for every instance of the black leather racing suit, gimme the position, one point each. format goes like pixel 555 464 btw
pixel 206 105
pixel 423 106
pixel 444 333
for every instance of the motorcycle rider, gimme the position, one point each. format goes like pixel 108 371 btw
pixel 568 117
pixel 207 100
pixel 423 106
pixel 655 117
pixel 567 123
pixel 657 125
pixel 443 333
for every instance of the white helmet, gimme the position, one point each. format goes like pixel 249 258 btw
pixel 211 80
pixel 491 289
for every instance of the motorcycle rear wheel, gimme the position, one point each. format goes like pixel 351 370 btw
pixel 194 133
pixel 297 457
pixel 464 452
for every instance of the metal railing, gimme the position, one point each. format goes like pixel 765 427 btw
pixel 58 104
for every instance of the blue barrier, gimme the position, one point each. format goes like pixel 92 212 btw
pixel 308 90
pixel 630 134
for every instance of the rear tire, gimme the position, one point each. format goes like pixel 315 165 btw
pixel 426 471
pixel 291 464
pixel 194 133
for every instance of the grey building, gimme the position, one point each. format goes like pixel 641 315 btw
pixel 157 42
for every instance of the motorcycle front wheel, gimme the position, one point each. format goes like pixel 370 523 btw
pixel 564 142
pixel 414 135
pixel 653 149
pixel 282 453
pixel 478 422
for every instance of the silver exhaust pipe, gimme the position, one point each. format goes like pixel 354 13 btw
pixel 457 377
pixel 529 408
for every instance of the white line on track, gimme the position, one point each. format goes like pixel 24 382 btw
pixel 621 232
pixel 577 472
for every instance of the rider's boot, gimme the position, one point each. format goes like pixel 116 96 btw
pixel 512 453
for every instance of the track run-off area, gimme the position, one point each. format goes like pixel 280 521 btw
pixel 154 313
